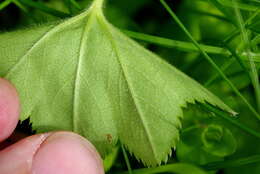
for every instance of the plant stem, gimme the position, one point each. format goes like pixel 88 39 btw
pixel 209 59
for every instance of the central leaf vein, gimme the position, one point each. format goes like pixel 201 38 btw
pixel 136 103
pixel 76 92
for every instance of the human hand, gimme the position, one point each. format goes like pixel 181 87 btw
pixel 50 153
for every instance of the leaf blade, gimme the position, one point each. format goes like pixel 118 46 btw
pixel 85 75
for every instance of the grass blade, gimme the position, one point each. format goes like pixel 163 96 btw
pixel 230 36
pixel 237 31
pixel 224 10
pixel 205 13
pixel 71 5
pixel 253 73
pixel 255 42
pixel 209 59
pixel 181 45
pixel 227 117
pixel 5 4
pixel 238 59
pixel 126 160
pixel 75 4
pixel 223 68
pixel 21 6
pixel 239 5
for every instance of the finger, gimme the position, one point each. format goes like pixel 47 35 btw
pixel 9 108
pixel 56 153
pixel 13 138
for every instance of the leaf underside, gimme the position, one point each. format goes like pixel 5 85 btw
pixel 84 75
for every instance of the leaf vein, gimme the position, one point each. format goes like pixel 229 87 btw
pixel 139 110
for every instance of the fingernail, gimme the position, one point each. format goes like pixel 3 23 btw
pixel 66 153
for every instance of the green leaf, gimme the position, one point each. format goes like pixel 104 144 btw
pixel 218 141
pixel 193 152
pixel 84 75
pixel 190 148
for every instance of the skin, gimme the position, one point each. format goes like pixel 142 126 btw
pixel 49 153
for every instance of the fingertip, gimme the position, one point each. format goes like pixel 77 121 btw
pixel 52 153
pixel 9 108
pixel 18 157
pixel 66 153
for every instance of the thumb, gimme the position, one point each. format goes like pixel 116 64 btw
pixel 53 153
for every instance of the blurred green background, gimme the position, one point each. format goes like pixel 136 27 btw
pixel 205 138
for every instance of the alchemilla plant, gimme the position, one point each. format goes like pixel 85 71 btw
pixel 85 74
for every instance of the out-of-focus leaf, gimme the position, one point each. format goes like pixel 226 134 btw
pixel 218 141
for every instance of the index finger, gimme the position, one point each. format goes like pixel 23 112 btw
pixel 9 108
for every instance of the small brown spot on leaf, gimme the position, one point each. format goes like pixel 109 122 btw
pixel 109 138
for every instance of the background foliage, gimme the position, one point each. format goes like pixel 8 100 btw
pixel 225 26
